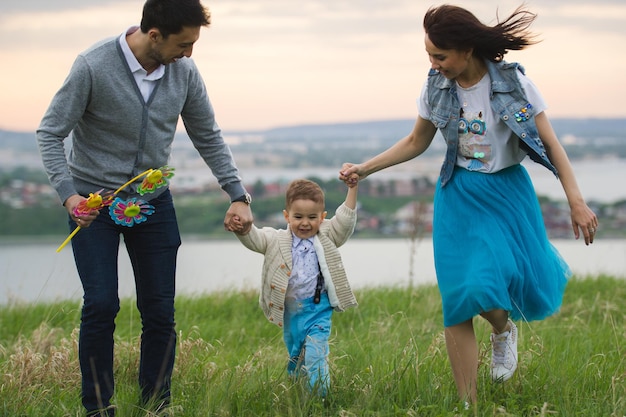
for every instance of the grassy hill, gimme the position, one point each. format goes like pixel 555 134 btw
pixel 387 358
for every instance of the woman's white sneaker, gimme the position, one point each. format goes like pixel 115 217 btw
pixel 504 354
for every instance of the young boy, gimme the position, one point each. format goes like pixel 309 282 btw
pixel 303 276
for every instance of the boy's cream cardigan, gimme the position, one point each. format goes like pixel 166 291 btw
pixel 275 244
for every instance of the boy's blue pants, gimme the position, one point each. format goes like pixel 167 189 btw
pixel 306 332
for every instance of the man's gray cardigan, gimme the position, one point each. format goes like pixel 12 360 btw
pixel 116 134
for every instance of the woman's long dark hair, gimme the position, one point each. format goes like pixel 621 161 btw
pixel 452 27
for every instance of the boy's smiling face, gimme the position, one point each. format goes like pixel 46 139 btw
pixel 304 217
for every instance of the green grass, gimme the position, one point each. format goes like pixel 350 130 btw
pixel 388 358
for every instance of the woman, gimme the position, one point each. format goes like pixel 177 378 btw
pixel 492 255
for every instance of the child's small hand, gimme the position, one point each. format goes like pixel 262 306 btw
pixel 238 218
pixel 235 225
pixel 351 174
pixel 352 180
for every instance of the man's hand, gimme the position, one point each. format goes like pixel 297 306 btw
pixel 84 220
pixel 238 218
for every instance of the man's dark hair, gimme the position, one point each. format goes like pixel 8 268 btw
pixel 170 16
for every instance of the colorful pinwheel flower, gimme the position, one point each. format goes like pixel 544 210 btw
pixel 130 212
pixel 126 213
pixel 156 179
pixel 95 201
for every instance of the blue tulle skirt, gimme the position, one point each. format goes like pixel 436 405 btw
pixel 492 250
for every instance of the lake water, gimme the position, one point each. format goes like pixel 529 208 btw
pixel 36 272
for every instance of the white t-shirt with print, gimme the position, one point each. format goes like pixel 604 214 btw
pixel 486 144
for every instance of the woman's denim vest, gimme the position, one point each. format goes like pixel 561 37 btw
pixel 507 100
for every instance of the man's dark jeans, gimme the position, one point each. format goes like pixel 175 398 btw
pixel 152 247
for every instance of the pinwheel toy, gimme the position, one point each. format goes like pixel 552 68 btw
pixel 125 213
pixel 130 212
pixel 155 179
pixel 95 201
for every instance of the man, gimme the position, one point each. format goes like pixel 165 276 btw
pixel 121 102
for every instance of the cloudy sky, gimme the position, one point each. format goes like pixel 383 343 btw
pixel 270 63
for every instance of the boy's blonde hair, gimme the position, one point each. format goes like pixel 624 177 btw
pixel 303 189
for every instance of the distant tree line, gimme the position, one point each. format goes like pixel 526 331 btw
pixel 202 212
